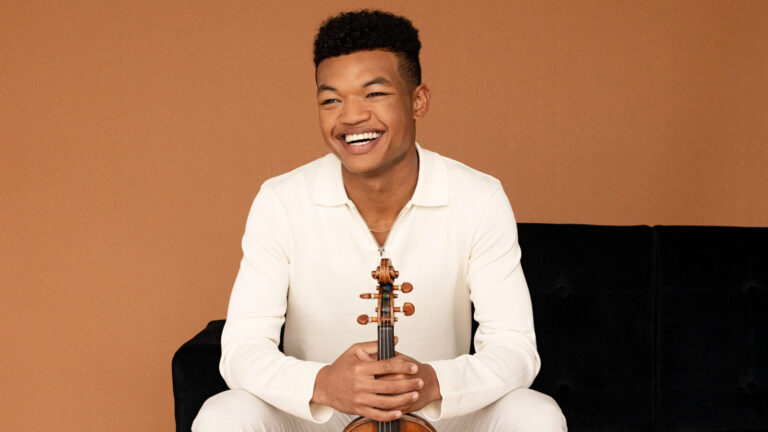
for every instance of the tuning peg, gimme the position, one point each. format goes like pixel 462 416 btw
pixel 364 319
pixel 406 287
pixel 369 296
pixel 408 309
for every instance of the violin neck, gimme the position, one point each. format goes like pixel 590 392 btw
pixel 387 350
pixel 386 342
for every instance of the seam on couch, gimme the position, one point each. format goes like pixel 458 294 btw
pixel 655 257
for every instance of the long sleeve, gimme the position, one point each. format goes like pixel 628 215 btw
pixel 505 342
pixel 250 358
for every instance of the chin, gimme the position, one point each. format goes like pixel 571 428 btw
pixel 360 168
pixel 357 164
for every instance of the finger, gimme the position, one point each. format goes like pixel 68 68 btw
pixel 398 354
pixel 389 367
pixel 390 402
pixel 396 387
pixel 396 339
pixel 380 415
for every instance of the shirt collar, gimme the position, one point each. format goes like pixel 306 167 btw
pixel 431 186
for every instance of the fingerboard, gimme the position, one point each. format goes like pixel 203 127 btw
pixel 386 351
pixel 386 342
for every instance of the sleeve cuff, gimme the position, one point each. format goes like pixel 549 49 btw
pixel 433 411
pixel 441 409
pixel 312 411
pixel 320 413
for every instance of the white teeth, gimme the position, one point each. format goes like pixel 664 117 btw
pixel 361 136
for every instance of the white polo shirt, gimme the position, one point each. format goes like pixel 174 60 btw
pixel 308 254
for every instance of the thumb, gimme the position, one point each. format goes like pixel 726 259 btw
pixel 365 350
pixel 364 356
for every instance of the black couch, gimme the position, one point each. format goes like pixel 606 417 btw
pixel 639 328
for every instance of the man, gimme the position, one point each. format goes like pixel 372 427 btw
pixel 313 235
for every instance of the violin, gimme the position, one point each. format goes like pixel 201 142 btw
pixel 386 274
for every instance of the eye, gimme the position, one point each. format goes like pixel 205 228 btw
pixel 376 94
pixel 328 101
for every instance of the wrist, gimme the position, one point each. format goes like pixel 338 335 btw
pixel 431 384
pixel 318 392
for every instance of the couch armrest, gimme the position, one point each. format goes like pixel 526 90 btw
pixel 195 369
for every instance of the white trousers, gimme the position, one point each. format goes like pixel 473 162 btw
pixel 522 410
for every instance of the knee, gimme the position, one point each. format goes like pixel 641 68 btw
pixel 527 410
pixel 233 410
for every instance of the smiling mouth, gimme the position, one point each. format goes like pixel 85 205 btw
pixel 360 139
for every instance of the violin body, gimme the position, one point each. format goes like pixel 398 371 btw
pixel 406 423
pixel 385 274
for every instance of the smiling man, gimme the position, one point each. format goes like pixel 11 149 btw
pixel 313 235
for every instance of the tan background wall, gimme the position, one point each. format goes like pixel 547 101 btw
pixel 134 134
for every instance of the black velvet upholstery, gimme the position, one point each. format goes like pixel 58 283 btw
pixel 196 373
pixel 638 328
pixel 712 329
pixel 592 300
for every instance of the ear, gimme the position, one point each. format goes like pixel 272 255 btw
pixel 421 97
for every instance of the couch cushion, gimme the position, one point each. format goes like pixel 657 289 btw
pixel 591 289
pixel 195 368
pixel 712 328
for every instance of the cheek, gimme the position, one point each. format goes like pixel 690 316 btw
pixel 395 114
pixel 326 122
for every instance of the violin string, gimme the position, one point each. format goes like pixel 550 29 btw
pixel 386 345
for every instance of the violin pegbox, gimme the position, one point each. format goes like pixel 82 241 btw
pixel 386 274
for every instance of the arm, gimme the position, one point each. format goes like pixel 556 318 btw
pixel 250 359
pixel 505 343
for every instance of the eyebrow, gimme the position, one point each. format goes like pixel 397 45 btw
pixel 324 87
pixel 378 80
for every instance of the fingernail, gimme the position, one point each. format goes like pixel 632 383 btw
pixel 414 369
pixel 421 383
pixel 415 396
pixel 398 414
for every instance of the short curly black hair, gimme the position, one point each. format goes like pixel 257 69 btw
pixel 366 29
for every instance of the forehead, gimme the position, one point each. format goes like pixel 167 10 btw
pixel 357 68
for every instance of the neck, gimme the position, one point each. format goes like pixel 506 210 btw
pixel 380 197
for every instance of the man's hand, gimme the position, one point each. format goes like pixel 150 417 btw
pixel 429 392
pixel 349 384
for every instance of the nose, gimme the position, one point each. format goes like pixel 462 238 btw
pixel 354 111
